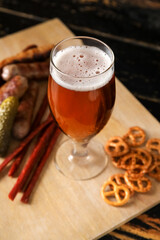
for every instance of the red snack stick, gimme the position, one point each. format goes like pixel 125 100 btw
pixel 33 159
pixel 25 142
pixel 17 162
pixel 40 113
pixel 29 189
pixel 35 123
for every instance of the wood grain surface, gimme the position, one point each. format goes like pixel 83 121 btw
pixel 62 208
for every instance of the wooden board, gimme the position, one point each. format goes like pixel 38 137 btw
pixel 62 208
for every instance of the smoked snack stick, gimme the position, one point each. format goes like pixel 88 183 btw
pixel 25 142
pixel 32 161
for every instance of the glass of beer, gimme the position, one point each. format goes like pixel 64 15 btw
pixel 81 93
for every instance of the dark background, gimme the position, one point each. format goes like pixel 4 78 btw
pixel 132 29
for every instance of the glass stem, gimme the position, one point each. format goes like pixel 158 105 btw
pixel 80 149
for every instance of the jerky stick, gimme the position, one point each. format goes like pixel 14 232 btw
pixel 26 141
pixel 40 113
pixel 34 157
pixel 36 174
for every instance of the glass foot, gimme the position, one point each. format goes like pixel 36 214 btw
pixel 81 167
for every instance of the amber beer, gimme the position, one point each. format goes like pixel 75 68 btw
pixel 81 90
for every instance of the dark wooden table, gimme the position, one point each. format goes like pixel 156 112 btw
pixel 132 29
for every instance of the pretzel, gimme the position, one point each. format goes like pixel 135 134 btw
pixel 142 184
pixel 153 162
pixel 135 164
pixel 153 145
pixel 107 195
pixel 135 136
pixel 116 147
pixel 155 171
pixel 133 160
pixel 119 179
pixel 144 154
pixel 137 172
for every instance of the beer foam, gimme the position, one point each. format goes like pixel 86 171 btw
pixel 83 67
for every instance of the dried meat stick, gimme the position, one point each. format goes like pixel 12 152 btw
pixel 40 113
pixel 33 159
pixel 36 174
pixel 36 122
pixel 25 142
pixel 17 162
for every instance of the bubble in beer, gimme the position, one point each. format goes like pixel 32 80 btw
pixel 85 63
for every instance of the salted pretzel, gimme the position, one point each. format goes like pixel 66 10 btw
pixel 119 179
pixel 153 145
pixel 114 193
pixel 116 147
pixel 135 136
pixel 142 184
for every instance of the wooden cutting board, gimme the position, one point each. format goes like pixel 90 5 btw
pixel 63 209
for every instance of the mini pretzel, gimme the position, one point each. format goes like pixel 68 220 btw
pixel 107 195
pixel 155 171
pixel 116 147
pixel 119 179
pixel 135 164
pixel 142 184
pixel 135 136
pixel 137 172
pixel 132 160
pixel 153 145
pixel 144 154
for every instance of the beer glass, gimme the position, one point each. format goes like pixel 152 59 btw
pixel 81 93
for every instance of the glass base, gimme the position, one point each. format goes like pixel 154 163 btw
pixel 81 167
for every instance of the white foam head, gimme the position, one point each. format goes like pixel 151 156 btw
pixel 81 68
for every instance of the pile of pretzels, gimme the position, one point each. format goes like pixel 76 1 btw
pixel 139 157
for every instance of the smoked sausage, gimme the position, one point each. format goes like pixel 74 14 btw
pixel 31 55
pixel 23 119
pixel 36 70
pixel 16 87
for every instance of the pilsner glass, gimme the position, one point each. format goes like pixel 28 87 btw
pixel 81 93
